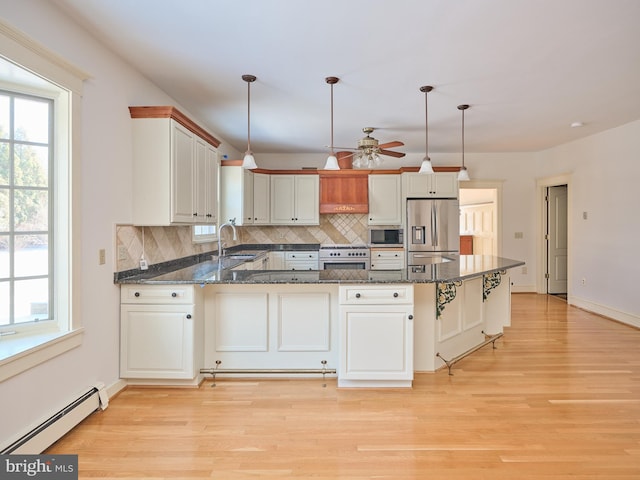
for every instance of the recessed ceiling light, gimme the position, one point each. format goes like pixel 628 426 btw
pixel 577 124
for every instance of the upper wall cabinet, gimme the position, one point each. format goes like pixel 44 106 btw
pixel 244 195
pixel 295 200
pixel 435 185
pixel 175 168
pixel 384 200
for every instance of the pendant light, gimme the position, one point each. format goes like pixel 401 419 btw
pixel 249 162
pixel 426 166
pixel 463 174
pixel 332 161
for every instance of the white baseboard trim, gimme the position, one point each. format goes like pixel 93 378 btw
pixel 116 387
pixel 622 317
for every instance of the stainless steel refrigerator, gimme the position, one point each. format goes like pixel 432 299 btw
pixel 433 230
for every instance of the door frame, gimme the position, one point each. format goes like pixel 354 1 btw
pixel 490 185
pixel 541 245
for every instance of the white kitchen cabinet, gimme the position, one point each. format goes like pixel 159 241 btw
pixel 295 200
pixel 271 326
pixel 161 331
pixel 261 198
pixel 174 173
pixel 206 183
pixel 435 185
pixel 385 200
pixel 376 336
pixel 244 195
pixel 301 260
pixel 387 259
pixel 276 260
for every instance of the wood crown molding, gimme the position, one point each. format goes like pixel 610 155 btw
pixel 175 114
pixel 337 173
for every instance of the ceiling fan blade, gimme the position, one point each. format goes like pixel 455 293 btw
pixel 391 153
pixel 391 144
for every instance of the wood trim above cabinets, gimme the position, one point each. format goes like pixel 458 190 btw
pixel 178 116
pixel 344 193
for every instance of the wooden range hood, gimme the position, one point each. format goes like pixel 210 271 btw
pixel 344 191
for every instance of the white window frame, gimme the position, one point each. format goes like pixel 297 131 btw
pixel 197 237
pixel 32 345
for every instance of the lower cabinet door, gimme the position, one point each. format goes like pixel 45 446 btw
pixel 157 341
pixel 376 342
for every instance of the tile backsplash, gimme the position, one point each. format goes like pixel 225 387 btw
pixel 162 244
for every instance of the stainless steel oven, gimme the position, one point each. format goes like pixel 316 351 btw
pixel 346 257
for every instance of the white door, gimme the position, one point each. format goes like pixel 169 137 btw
pixel 557 240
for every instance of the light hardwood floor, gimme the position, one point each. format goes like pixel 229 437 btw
pixel 558 399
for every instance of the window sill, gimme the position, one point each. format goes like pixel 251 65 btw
pixel 20 353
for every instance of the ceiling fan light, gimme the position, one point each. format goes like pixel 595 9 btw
pixel 332 163
pixel 248 161
pixel 425 166
pixel 463 175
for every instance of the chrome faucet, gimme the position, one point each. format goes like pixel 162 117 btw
pixel 231 223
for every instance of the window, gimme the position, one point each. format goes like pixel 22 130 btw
pixel 39 270
pixel 26 250
pixel 204 233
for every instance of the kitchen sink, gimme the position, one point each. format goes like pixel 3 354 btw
pixel 241 256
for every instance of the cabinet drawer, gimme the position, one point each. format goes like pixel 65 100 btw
pixel 370 294
pixel 139 294
pixel 387 264
pixel 301 256
pixel 386 253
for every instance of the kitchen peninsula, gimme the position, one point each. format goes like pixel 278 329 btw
pixel 374 327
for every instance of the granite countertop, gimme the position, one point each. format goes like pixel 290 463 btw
pixel 204 270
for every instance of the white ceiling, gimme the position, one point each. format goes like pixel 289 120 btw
pixel 528 68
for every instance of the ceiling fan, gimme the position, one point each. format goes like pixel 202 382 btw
pixel 369 150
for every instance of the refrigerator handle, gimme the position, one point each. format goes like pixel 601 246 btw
pixel 434 225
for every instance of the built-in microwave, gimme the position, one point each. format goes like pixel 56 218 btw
pixel 386 237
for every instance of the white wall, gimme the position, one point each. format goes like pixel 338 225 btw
pixel 106 200
pixel 604 171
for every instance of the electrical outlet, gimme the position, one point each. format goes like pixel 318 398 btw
pixel 524 270
pixel 519 235
pixel 123 254
pixel 102 256
pixel 584 281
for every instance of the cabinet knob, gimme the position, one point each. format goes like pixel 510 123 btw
pixel 357 295
pixel 410 317
pixel 137 294
pixel 395 294
pixel 195 214
pixel 174 294
pixel 188 315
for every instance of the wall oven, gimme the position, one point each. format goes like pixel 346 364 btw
pixel 345 257
pixel 386 237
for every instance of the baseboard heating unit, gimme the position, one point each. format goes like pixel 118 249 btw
pixel 41 437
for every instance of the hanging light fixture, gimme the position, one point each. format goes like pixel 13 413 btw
pixel 332 161
pixel 249 162
pixel 463 174
pixel 425 166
